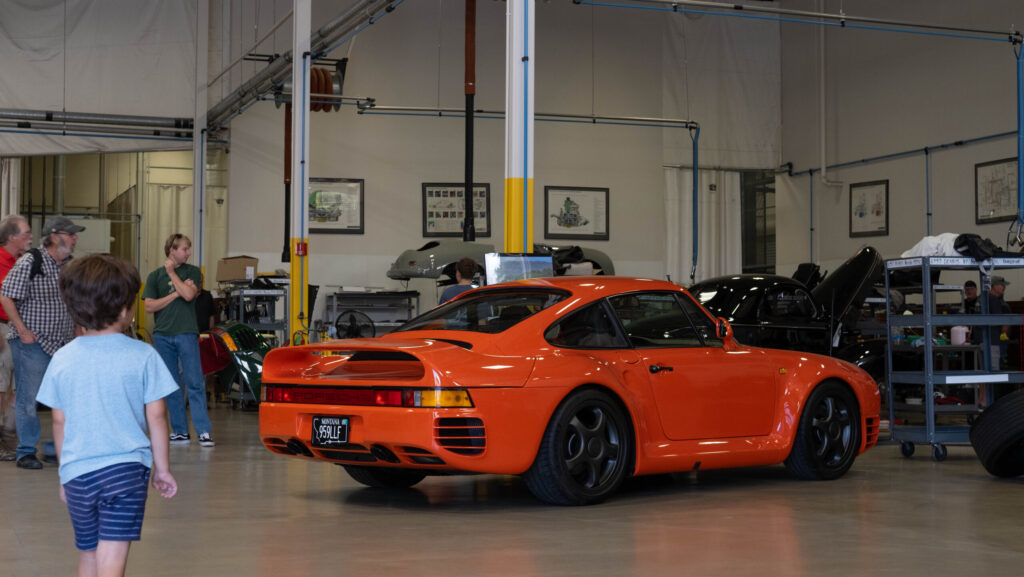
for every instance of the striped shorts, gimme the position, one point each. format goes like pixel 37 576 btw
pixel 108 504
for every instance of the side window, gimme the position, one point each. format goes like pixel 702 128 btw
pixel 655 320
pixel 702 323
pixel 587 328
pixel 787 303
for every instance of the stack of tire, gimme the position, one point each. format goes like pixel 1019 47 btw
pixel 998 436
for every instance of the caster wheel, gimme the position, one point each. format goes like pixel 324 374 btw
pixel 907 449
pixel 939 453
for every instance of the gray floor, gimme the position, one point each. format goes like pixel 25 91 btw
pixel 244 511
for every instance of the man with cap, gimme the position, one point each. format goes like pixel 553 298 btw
pixel 15 239
pixel 39 325
pixel 998 335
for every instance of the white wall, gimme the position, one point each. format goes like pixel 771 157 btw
pixel 611 62
pixel 889 93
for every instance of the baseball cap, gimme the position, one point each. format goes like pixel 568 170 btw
pixel 61 224
pixel 997 280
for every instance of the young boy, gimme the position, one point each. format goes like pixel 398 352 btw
pixel 106 390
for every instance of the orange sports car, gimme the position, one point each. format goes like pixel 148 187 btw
pixel 575 383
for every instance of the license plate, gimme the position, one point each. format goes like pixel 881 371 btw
pixel 330 431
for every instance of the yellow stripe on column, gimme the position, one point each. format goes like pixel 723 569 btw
pixel 514 215
pixel 297 292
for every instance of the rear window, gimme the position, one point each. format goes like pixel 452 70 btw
pixel 486 312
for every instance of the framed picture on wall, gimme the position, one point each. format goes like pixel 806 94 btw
pixel 575 212
pixel 869 208
pixel 444 208
pixel 335 205
pixel 995 191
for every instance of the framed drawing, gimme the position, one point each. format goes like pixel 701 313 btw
pixel 335 205
pixel 444 208
pixel 575 212
pixel 995 191
pixel 869 208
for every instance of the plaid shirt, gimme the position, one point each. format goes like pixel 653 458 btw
pixel 38 302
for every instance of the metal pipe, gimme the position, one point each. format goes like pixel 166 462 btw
pixel 810 195
pixel 927 192
pixel 1019 50
pixel 88 118
pixel 841 19
pixel 276 73
pixel 59 126
pixel 696 205
pixel 469 219
pixel 247 52
pixel 550 115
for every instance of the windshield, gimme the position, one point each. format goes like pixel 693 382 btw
pixel 487 312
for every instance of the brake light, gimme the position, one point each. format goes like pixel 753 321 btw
pixel 368 397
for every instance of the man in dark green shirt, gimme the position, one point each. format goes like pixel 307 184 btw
pixel 170 296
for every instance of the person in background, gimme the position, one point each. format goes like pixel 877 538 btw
pixel 970 305
pixel 107 391
pixel 170 297
pixel 205 310
pixel 40 325
pixel 15 239
pixel 464 271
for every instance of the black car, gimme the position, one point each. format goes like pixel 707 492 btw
pixel 781 312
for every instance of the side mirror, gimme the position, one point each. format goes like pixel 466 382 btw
pixel 724 329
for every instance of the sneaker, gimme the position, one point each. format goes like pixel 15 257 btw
pixel 178 439
pixel 205 440
pixel 29 462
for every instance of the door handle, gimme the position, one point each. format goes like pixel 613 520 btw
pixel 655 369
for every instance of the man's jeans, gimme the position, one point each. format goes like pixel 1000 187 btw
pixel 30 362
pixel 184 348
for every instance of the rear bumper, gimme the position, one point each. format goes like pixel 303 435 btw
pixel 500 434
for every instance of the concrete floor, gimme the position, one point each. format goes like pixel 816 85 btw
pixel 242 510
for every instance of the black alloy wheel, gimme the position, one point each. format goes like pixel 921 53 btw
pixel 586 451
pixel 829 434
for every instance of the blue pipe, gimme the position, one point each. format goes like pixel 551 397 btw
pixel 1020 132
pixel 911 152
pixel 302 193
pixel 811 219
pixel 696 206
pixel 927 193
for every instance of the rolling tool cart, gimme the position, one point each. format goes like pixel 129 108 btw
pixel 943 367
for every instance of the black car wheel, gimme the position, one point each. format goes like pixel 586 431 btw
pixel 586 451
pixel 998 436
pixel 828 436
pixel 384 476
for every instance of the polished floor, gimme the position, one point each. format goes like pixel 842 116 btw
pixel 244 511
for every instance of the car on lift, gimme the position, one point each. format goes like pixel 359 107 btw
pixel 781 312
pixel 437 260
pixel 575 383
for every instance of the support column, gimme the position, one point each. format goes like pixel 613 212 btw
pixel 199 133
pixel 519 65
pixel 297 296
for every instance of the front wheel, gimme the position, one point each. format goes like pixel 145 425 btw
pixel 384 476
pixel 828 437
pixel 586 451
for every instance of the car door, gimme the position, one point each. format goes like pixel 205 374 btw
pixel 702 389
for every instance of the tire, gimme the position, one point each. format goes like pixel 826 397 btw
pixel 384 477
pixel 586 451
pixel 998 436
pixel 829 434
pixel 907 449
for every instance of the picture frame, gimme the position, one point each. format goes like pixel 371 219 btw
pixel 576 213
pixel 869 208
pixel 444 207
pixel 335 205
pixel 995 191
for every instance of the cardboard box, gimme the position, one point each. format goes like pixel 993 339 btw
pixel 236 268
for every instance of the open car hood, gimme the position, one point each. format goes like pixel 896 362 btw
pixel 842 293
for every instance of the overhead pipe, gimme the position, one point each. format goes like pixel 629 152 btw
pixel 98 119
pixel 822 108
pixel 275 74
pixel 469 218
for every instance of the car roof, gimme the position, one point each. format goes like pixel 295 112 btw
pixel 749 280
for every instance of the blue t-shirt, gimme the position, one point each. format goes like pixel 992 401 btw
pixel 103 383
pixel 453 291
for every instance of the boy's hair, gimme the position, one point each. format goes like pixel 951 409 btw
pixel 173 241
pixel 466 267
pixel 97 288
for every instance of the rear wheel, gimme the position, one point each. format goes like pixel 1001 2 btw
pixel 997 436
pixel 384 476
pixel 828 437
pixel 586 451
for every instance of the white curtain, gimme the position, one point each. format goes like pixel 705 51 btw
pixel 718 224
pixel 10 186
